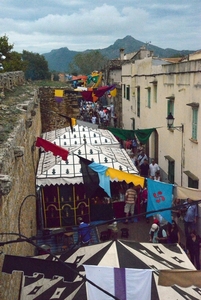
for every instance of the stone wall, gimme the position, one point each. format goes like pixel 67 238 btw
pixel 50 108
pixel 18 165
pixel 9 80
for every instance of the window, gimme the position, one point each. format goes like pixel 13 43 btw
pixel 170 107
pixel 194 123
pixel 171 171
pixel 171 167
pixel 155 92
pixel 128 92
pixel 149 97
pixel 192 180
pixel 138 101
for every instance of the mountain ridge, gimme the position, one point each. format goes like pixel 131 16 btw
pixel 59 59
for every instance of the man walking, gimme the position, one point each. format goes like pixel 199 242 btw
pixel 130 199
pixel 190 217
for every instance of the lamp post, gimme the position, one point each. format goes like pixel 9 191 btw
pixel 170 123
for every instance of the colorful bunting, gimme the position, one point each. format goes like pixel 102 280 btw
pixel 48 146
pixel 159 197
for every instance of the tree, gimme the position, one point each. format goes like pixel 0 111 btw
pixel 12 61
pixel 37 66
pixel 85 63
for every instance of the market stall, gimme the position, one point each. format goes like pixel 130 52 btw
pixel 62 192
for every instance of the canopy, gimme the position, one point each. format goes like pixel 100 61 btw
pixel 120 254
pixel 96 145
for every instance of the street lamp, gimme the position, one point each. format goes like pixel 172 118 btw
pixel 170 122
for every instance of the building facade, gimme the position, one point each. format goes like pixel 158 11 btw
pixel 153 88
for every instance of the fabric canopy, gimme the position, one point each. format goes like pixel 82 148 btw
pixel 184 193
pixel 125 134
pixel 95 145
pixel 116 254
pixel 183 278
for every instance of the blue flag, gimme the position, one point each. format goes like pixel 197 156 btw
pixel 159 197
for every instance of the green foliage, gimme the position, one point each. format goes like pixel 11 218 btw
pixel 37 66
pixel 85 63
pixel 13 61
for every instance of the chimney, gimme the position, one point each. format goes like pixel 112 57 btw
pixel 121 54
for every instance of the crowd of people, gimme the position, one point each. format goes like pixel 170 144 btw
pixel 95 113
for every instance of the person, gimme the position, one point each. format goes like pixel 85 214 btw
pixel 115 120
pixel 190 217
pixel 84 232
pixel 144 196
pixel 141 157
pixel 157 176
pixel 153 233
pixel 173 233
pixel 162 235
pixel 130 199
pixel 153 168
pixel 93 119
pixel 193 243
pixel 144 169
pixel 176 212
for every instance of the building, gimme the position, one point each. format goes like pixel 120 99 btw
pixel 151 89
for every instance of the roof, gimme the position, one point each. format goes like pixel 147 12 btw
pixel 103 148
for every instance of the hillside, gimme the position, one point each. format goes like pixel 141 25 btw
pixel 58 60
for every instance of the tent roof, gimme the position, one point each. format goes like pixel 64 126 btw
pixel 65 138
pixel 123 254
pixel 53 170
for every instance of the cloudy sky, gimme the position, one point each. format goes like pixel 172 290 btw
pixel 43 25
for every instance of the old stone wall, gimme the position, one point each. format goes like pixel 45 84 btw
pixel 18 165
pixel 9 80
pixel 50 108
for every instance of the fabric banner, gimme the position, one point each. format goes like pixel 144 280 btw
pixel 58 94
pixel 183 278
pixel 184 193
pixel 104 181
pixel 124 134
pixel 90 177
pixel 72 121
pixel 122 283
pixel 48 146
pixel 159 197
pixel 96 92
pixel 123 176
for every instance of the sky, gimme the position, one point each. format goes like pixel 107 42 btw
pixel 40 26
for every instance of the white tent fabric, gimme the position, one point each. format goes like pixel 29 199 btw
pixel 124 283
pixel 119 254
pixel 103 148
pixel 186 192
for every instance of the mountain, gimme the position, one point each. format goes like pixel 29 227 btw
pixel 58 60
